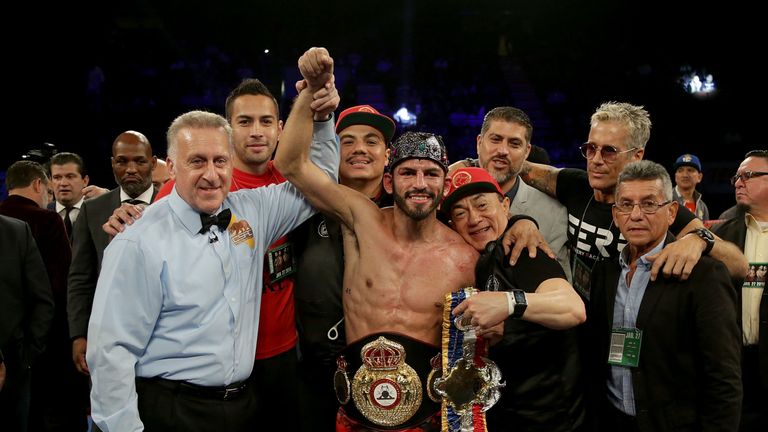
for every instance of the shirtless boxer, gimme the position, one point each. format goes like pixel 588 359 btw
pixel 399 264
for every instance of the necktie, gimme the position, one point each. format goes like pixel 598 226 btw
pixel 134 201
pixel 68 221
pixel 221 220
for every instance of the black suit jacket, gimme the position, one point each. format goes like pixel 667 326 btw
pixel 89 242
pixel 52 242
pixel 26 302
pixel 689 372
pixel 735 231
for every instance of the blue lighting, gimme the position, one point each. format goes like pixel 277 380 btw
pixel 405 117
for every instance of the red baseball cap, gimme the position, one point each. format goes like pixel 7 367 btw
pixel 369 116
pixel 468 181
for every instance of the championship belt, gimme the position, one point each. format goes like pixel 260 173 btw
pixel 386 392
pixel 470 382
pixel 385 389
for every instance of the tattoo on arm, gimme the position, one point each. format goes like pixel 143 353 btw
pixel 542 177
pixel 525 171
pixel 545 183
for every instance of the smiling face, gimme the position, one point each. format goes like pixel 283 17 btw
pixel 603 174
pixel 417 186
pixel 255 131
pixel 643 231
pixel 203 168
pixel 502 150
pixel 363 155
pixel 480 218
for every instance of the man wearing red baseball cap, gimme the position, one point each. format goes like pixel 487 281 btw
pixel 503 144
pixel 539 308
pixel 365 135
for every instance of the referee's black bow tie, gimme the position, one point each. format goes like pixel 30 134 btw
pixel 221 219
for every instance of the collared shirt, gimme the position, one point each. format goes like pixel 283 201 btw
pixel 145 196
pixel 756 251
pixel 172 304
pixel 62 210
pixel 625 309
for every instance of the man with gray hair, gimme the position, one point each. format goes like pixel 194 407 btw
pixel 617 136
pixel 172 336
pixel 663 343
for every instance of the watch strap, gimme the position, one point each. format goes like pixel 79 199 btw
pixel 520 303
pixel 708 238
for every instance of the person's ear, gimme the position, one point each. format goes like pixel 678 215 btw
pixel 387 183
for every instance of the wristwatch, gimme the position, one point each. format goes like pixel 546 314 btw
pixel 708 238
pixel 520 303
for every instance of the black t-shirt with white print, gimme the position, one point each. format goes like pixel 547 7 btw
pixel 592 235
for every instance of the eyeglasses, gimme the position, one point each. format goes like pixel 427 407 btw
pixel 607 153
pixel 746 175
pixel 647 207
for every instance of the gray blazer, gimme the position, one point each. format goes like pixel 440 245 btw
pixel 551 216
pixel 89 242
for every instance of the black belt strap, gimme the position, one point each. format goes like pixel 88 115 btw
pixel 228 392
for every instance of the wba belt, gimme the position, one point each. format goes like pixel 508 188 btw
pixel 470 382
pixel 392 379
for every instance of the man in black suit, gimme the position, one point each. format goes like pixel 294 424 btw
pixel 59 393
pixel 667 351
pixel 749 231
pixel 26 311
pixel 70 187
pixel 132 165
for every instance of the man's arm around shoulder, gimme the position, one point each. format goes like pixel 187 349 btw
pixel 542 177
pixel 680 256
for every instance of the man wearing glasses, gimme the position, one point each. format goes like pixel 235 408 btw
pixel 666 354
pixel 617 136
pixel 749 230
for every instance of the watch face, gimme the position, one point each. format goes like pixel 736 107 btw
pixel 705 234
pixel 519 297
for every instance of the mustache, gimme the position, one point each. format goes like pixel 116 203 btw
pixel 419 192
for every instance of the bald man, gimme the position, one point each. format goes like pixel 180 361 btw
pixel 160 174
pixel 132 165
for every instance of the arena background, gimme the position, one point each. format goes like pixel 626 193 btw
pixel 79 73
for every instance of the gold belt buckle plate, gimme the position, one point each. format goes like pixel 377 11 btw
pixel 385 389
